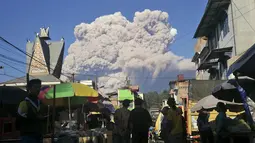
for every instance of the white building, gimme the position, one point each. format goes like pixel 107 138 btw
pixel 89 83
pixel 228 26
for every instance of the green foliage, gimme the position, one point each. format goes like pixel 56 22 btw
pixel 154 99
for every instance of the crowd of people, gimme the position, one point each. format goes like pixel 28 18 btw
pixel 223 125
pixel 173 126
pixel 136 123
pixel 129 126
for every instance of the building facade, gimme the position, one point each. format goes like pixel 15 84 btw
pixel 46 56
pixel 44 60
pixel 179 89
pixel 228 28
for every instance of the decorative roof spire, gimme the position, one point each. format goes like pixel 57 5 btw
pixel 45 33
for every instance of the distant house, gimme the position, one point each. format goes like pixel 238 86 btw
pixel 225 31
pixel 89 83
pixel 44 60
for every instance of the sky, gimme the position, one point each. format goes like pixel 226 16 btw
pixel 20 20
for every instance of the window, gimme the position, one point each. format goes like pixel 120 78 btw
pixel 213 40
pixel 223 69
pixel 224 24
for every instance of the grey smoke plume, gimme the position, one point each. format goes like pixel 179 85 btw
pixel 119 48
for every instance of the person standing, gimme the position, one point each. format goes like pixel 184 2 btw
pixel 184 130
pixel 204 128
pixel 31 128
pixel 121 133
pixel 139 122
pixel 174 122
pixel 222 124
pixel 164 127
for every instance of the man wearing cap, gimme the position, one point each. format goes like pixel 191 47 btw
pixel 121 131
pixel 139 122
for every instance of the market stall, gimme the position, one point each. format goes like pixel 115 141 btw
pixel 242 127
pixel 77 97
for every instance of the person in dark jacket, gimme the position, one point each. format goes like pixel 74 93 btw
pixel 139 123
pixel 164 125
pixel 180 112
pixel 204 128
pixel 222 124
pixel 121 133
pixel 31 128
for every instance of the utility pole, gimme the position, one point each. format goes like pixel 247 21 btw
pixel 27 76
pixel 73 77
pixel 128 82
pixel 96 82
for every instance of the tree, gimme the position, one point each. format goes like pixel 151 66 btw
pixel 154 99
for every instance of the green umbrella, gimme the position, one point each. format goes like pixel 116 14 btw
pixel 71 90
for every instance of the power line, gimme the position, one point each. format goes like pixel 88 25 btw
pixel 137 77
pixel 12 67
pixel 15 61
pixel 8 75
pixel 27 54
pixel 243 16
pixel 188 33
pixel 10 51
pixel 242 7
pixel 12 59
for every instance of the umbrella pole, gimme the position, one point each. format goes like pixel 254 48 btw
pixel 246 106
pixel 53 113
pixel 48 119
pixel 69 107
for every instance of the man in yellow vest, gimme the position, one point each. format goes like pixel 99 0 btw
pixel 30 120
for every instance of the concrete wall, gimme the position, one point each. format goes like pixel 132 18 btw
pixel 200 44
pixel 222 42
pixel 244 24
pixel 228 39
pixel 183 89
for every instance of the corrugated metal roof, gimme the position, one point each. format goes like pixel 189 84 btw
pixel 211 17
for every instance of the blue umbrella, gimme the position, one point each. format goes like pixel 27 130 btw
pixel 233 90
pixel 244 66
pixel 228 90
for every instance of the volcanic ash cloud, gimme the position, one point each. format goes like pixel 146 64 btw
pixel 114 46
